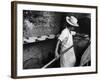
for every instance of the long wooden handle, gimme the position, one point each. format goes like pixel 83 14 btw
pixel 49 63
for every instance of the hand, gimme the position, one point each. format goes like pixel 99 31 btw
pixel 56 55
pixel 73 32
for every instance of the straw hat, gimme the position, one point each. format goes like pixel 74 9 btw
pixel 72 21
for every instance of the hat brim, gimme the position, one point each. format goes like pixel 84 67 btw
pixel 67 19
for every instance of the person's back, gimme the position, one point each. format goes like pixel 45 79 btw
pixel 86 57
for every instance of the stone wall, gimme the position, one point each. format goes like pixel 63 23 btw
pixel 38 23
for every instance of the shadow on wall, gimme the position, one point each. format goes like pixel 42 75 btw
pixel 85 25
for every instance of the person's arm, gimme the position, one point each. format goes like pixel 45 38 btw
pixel 73 33
pixel 57 48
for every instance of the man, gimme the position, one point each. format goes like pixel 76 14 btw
pixel 65 40
pixel 85 44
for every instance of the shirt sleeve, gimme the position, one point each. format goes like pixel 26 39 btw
pixel 64 34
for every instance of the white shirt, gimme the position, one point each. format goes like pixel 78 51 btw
pixel 66 38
